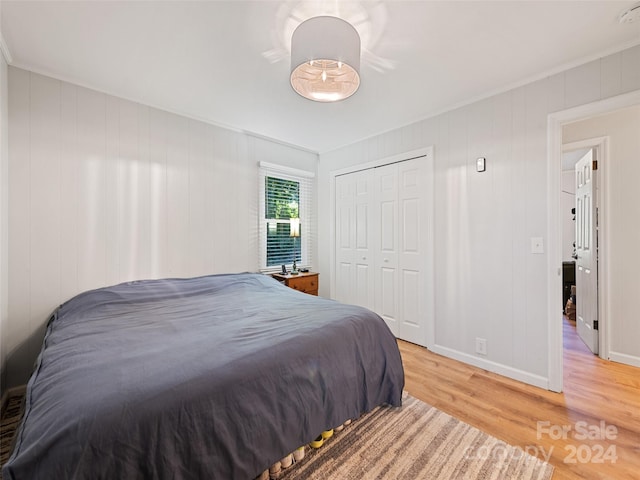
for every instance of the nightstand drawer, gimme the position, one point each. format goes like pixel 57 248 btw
pixel 303 282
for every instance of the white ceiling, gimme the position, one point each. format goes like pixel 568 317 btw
pixel 227 62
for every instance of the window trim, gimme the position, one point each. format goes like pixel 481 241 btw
pixel 305 212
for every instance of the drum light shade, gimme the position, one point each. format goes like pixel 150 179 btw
pixel 325 59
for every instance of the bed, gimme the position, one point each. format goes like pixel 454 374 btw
pixel 209 377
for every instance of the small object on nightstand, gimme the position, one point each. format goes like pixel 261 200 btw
pixel 284 269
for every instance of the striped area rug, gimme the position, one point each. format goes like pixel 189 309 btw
pixel 416 441
pixel 9 421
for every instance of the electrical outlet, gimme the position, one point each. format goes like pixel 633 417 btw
pixel 481 346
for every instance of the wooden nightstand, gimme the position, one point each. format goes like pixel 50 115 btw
pixel 303 282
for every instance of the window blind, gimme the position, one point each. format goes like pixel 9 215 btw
pixel 285 194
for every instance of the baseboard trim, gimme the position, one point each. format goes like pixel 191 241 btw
pixel 624 358
pixel 510 372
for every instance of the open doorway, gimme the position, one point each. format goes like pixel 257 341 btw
pixel 611 120
pixel 580 240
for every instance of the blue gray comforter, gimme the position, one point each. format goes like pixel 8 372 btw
pixel 214 377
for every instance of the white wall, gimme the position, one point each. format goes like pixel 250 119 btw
pixel 568 224
pixel 104 190
pixel 488 284
pixel 623 209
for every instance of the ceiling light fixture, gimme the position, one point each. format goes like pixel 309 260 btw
pixel 325 59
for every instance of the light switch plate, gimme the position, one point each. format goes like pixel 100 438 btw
pixel 537 245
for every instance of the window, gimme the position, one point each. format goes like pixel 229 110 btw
pixel 285 205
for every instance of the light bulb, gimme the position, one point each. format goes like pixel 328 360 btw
pixel 324 75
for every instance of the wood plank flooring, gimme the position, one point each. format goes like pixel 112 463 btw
pixel 600 405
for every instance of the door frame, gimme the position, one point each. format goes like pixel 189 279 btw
pixel 427 152
pixel 555 122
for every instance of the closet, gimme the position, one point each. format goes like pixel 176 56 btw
pixel 383 246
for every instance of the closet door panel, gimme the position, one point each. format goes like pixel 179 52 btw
pixel 410 302
pixel 386 245
pixel 387 227
pixel 411 256
pixel 354 274
pixel 344 239
pixel 343 282
pixel 387 298
pixel 410 223
pixel 363 255
pixel 382 244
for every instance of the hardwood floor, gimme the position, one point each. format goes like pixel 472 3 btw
pixel 600 405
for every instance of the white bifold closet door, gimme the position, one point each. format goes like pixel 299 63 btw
pixel 380 236
pixel 354 238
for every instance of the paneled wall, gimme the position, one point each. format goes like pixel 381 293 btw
pixel 104 190
pixel 623 212
pixel 488 283
pixel 4 183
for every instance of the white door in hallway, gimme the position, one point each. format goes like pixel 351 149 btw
pixel 587 251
